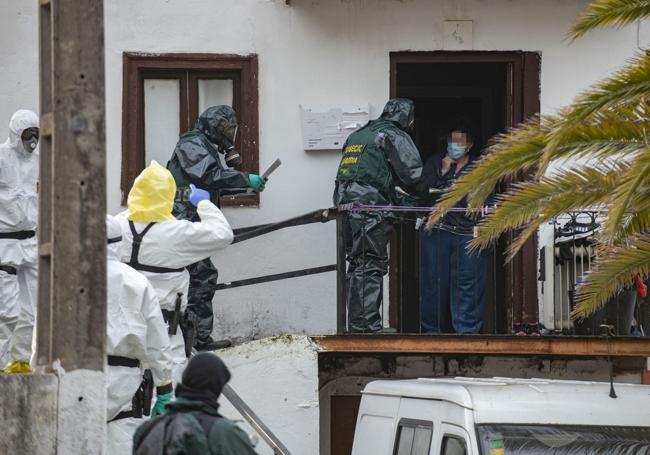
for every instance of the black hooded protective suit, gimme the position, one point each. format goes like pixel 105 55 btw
pixel 376 158
pixel 196 160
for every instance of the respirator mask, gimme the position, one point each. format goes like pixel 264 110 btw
pixel 29 138
pixel 232 157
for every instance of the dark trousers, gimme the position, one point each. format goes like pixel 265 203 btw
pixel 452 283
pixel 366 241
pixel 203 282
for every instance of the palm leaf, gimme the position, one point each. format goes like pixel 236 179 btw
pixel 615 13
pixel 635 224
pixel 635 177
pixel 531 204
pixel 612 272
pixel 617 132
pixel 516 152
pixel 626 89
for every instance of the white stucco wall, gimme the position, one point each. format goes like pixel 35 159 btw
pixel 278 379
pixel 313 52
pixel 18 59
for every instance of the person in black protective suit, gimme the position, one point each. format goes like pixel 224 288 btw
pixel 376 158
pixel 196 161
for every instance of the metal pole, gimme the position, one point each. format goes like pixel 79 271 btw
pixel 254 421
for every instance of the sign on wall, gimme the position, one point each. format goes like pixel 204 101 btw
pixel 327 127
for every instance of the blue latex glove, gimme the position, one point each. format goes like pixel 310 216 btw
pixel 257 182
pixel 161 400
pixel 197 195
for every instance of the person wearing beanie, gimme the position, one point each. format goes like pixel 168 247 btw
pixel 192 423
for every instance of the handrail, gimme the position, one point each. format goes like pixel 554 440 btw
pixel 317 216
pixel 254 421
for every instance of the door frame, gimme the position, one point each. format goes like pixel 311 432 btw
pixel 523 92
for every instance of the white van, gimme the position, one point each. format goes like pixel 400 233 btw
pixel 502 417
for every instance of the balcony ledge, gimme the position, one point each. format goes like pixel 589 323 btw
pixel 484 345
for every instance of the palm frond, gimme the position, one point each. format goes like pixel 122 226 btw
pixel 531 204
pixel 635 224
pixel 627 88
pixel 615 13
pixel 635 177
pixel 617 132
pixel 612 272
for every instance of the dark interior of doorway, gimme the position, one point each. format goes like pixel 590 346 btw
pixel 346 409
pixel 446 94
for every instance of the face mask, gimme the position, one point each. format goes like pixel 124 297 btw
pixel 455 151
pixel 29 138
pixel 30 144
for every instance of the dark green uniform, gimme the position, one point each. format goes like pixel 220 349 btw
pixel 191 428
pixel 196 160
pixel 376 158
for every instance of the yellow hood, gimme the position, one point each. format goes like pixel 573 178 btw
pixel 151 198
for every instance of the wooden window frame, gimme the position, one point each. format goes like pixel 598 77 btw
pixel 243 69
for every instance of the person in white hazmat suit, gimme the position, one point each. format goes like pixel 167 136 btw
pixel 136 338
pixel 18 243
pixel 161 247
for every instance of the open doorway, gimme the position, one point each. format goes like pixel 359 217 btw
pixel 491 91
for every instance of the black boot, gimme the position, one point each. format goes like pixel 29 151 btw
pixel 212 345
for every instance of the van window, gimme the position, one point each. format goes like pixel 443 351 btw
pixel 413 437
pixel 453 445
pixel 514 439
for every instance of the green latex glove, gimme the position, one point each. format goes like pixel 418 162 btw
pixel 257 182
pixel 161 400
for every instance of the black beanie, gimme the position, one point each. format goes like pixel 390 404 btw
pixel 206 372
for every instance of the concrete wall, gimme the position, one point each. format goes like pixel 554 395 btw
pixel 48 414
pixel 28 414
pixel 315 51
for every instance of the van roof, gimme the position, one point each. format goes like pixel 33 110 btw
pixel 506 400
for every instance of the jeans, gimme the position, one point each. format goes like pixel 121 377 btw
pixel 452 283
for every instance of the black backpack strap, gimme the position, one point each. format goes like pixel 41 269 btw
pixel 135 252
pixel 137 242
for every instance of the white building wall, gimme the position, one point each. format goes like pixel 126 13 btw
pixel 278 378
pixel 18 60
pixel 312 52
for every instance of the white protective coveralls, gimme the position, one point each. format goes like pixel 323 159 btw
pixel 135 330
pixel 172 244
pixel 18 256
